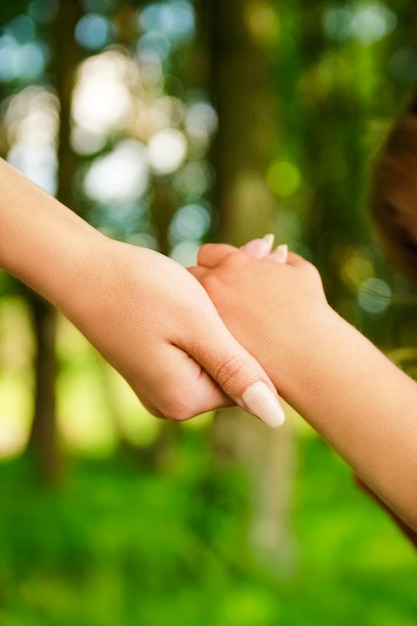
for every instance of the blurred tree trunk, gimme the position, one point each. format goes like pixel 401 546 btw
pixel 243 91
pixel 242 86
pixel 42 440
pixel 43 437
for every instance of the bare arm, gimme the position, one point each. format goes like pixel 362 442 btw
pixel 146 314
pixel 362 404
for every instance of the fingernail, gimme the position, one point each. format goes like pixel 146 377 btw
pixel 281 253
pixel 264 404
pixel 269 238
pixel 258 248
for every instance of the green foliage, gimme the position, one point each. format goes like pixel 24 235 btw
pixel 344 72
pixel 120 545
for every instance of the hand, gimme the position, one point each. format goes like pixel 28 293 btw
pixel 157 326
pixel 255 296
pixel 147 315
pixel 346 389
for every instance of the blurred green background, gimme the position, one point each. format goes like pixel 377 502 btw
pixel 167 124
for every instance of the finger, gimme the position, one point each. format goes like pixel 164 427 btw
pixel 279 255
pixel 236 372
pixel 198 271
pixel 186 388
pixel 211 254
pixel 296 260
pixel 259 248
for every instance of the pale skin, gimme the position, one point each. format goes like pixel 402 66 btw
pixel 145 313
pixel 350 393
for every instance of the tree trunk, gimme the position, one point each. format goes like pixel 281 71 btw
pixel 43 436
pixel 244 97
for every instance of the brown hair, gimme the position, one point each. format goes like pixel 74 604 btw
pixel 394 194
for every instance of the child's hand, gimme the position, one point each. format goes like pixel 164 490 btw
pixel 346 389
pixel 259 297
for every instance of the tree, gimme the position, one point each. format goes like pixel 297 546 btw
pixel 43 439
pixel 240 77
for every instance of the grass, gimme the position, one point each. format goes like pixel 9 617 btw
pixel 120 544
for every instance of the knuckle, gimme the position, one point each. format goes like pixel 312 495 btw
pixel 204 252
pixel 236 259
pixel 211 283
pixel 229 370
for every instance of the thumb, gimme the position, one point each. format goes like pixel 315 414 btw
pixel 236 371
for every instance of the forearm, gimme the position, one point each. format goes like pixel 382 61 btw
pixel 42 243
pixel 145 313
pixel 362 404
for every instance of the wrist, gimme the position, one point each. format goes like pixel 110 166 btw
pixel 43 243
pixel 82 270
pixel 301 365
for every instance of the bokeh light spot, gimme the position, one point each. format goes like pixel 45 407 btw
pixel 167 150
pixel 372 23
pixel 94 31
pixel 283 178
pixel 175 19
pixel 190 222
pixel 121 176
pixel 374 295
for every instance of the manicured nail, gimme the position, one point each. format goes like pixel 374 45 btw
pixel 264 404
pixel 269 238
pixel 281 253
pixel 259 248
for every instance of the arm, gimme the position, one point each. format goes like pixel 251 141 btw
pixel 148 317
pixel 364 406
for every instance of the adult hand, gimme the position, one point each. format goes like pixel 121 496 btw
pixel 146 314
pixel 157 326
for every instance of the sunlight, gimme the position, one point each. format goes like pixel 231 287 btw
pixel 15 377
pixel 194 179
pixel 373 22
pixel 96 405
pixel 190 222
pixel 120 176
pixel 262 21
pixel 31 123
pixel 15 408
pixel 94 31
pixel 368 23
pixel 374 295
pixel 167 151
pixel 155 112
pixel 156 43
pixel 201 123
pixel 336 23
pixel 356 268
pixel 185 252
pixel 102 101
pixel 22 55
pixel 283 178
pixel 83 416
pixel 174 19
